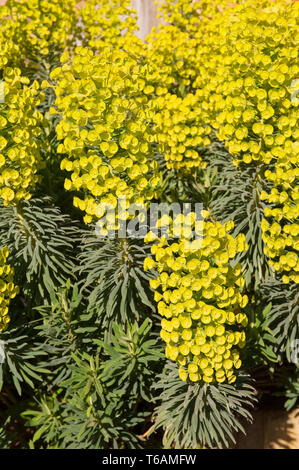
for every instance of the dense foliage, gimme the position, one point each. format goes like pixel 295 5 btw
pixel 96 123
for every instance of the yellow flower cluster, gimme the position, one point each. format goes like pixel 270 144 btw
pixel 176 71
pixel 244 57
pixel 281 230
pixel 9 50
pixel 247 83
pixel 174 65
pixel 107 23
pixel 37 26
pixel 198 291
pixel 180 122
pixel 248 56
pixel 105 112
pixel 181 130
pixel 245 61
pixel 189 15
pixel 19 127
pixel 7 288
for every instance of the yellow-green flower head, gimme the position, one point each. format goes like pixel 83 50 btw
pixel 9 50
pixel 172 54
pixel 19 127
pixel 181 130
pixel 105 132
pixel 280 226
pixel 38 26
pixel 7 288
pixel 189 15
pixel 108 23
pixel 248 60
pixel 247 82
pixel 199 295
pixel 183 113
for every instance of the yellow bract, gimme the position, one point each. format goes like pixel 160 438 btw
pixel 181 128
pixel 251 51
pixel 247 59
pixel 37 27
pixel 105 132
pixel 19 127
pixel 7 288
pixel 108 23
pixel 280 226
pixel 244 57
pixel 198 294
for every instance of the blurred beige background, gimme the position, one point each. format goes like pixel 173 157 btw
pixel 147 15
pixel 272 428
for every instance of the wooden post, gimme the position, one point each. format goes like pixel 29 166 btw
pixel 147 16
